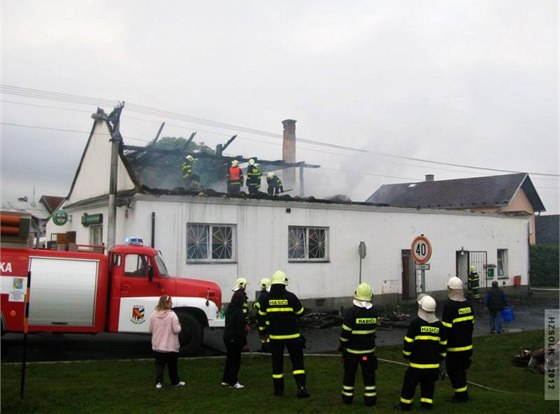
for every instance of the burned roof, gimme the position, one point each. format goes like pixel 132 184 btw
pixel 466 193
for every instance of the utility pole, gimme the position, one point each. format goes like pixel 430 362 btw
pixel 116 140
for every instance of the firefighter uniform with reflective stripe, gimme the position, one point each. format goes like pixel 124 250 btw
pixel 357 340
pixel 424 347
pixel 473 283
pixel 458 319
pixel 253 178
pixel 281 308
pixel 262 322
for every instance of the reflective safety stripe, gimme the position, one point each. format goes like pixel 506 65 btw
pixel 262 313
pixel 348 393
pixel 347 387
pixel 447 324
pixel 298 372
pixel 370 388
pixel 407 339
pixel 463 319
pixel 360 351
pixel 292 336
pixel 462 389
pixel 278 376
pixel 443 342
pixel 423 366
pixel 346 328
pixel 426 400
pixel 370 394
pixel 280 310
pixel 404 400
pixel 426 338
pixel 299 312
pixel 368 332
pixel 460 348
pixel 343 339
pixel 407 353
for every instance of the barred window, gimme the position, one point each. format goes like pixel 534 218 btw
pixel 210 242
pixel 307 244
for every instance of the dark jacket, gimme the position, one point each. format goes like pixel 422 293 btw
pixel 281 309
pixel 458 319
pixel 424 344
pixel 358 330
pixel 496 299
pixel 234 330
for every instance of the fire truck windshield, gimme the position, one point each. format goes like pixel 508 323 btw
pixel 161 265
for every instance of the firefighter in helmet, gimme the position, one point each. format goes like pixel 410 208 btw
pixel 357 342
pixel 473 282
pixel 458 320
pixel 261 321
pixel 187 169
pixel 253 177
pixel 234 178
pixel 274 182
pixel 241 286
pixel 281 309
pixel 424 347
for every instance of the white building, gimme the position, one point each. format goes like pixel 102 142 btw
pixel 316 242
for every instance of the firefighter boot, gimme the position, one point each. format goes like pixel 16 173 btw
pixel 278 386
pixel 301 390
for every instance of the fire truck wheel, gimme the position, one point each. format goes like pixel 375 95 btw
pixel 190 336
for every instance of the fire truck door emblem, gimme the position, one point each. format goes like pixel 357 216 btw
pixel 137 314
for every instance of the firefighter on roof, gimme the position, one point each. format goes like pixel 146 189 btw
pixel 253 177
pixel 234 178
pixel 357 342
pixel 458 319
pixel 281 309
pixel 187 169
pixel 274 184
pixel 473 282
pixel 261 321
pixel 424 348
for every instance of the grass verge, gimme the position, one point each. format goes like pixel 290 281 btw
pixel 127 386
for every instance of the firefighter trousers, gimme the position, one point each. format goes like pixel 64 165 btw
pixel 368 364
pixel 427 379
pixel 295 350
pixel 456 367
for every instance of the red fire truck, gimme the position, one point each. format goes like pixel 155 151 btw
pixel 87 292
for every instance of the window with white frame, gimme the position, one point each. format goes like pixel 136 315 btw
pixel 210 243
pixel 502 263
pixel 307 244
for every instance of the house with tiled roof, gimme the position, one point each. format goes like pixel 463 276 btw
pixel 509 194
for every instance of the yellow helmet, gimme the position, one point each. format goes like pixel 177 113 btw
pixel 270 175
pixel 363 292
pixel 251 161
pixel 279 278
pixel 473 268
pixel 234 163
pixel 265 283
pixel 240 283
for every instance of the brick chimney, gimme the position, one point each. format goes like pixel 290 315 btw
pixel 429 177
pixel 289 153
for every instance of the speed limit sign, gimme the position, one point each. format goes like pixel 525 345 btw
pixel 421 249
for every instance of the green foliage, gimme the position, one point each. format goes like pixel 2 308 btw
pixel 127 386
pixel 545 265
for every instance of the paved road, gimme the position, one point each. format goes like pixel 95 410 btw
pixel 529 314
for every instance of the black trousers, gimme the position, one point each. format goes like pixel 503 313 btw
pixel 456 367
pixel 169 359
pixel 233 361
pixel 295 350
pixel 368 364
pixel 427 379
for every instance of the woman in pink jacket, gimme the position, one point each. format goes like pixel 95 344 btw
pixel 165 328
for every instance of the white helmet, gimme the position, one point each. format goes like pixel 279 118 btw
pixel 234 163
pixel 240 283
pixel 251 161
pixel 270 175
pixel 455 283
pixel 189 157
pixel 279 278
pixel 427 303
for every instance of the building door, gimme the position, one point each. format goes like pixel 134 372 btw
pixel 408 275
pixel 466 259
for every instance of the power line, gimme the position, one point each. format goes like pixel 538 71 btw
pixel 146 110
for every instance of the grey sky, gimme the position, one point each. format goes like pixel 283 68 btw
pixel 462 82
